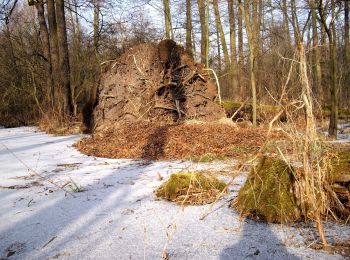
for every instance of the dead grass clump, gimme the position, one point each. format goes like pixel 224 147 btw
pixel 268 194
pixel 191 188
pixel 57 124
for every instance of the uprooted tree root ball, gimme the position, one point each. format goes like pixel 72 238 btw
pixel 268 195
pixel 191 188
pixel 156 83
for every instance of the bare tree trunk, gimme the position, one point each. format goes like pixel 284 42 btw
pixel 221 33
pixel 96 25
pixel 272 15
pixel 219 52
pixel 234 66
pixel 316 54
pixel 285 20
pixel 240 34
pixel 66 93
pixel 207 33
pixel 331 33
pixel 295 23
pixel 333 126
pixel 44 35
pixel 167 18
pixel 249 24
pixel 53 39
pixel 240 49
pixel 189 47
pixel 204 31
pixel 347 50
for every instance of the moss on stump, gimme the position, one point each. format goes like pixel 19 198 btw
pixel 268 194
pixel 340 166
pixel 191 188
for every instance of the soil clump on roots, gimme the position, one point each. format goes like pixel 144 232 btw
pixel 154 83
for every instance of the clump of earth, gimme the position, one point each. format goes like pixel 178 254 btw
pixel 154 83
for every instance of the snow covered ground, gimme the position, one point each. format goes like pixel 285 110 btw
pixel 117 215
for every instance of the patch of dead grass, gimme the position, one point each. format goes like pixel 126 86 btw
pixel 189 188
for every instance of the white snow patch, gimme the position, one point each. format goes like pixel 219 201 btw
pixel 117 216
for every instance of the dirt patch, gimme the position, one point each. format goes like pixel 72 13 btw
pixel 159 141
pixel 155 83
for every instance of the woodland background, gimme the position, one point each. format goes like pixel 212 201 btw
pixel 51 51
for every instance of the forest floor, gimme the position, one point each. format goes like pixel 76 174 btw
pixel 107 209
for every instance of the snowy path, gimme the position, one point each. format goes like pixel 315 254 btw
pixel 117 216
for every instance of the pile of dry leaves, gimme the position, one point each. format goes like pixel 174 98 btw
pixel 154 141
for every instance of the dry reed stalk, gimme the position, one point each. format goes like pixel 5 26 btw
pixel 316 198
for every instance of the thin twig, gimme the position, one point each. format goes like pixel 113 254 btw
pixel 239 109
pixel 34 173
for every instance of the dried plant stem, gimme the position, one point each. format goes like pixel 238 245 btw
pixel 313 188
pixel 34 173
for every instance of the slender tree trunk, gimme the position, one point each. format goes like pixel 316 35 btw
pixel 167 18
pixel 204 31
pixel 256 27
pixel 347 50
pixel 234 66
pixel 96 25
pixel 207 33
pixel 252 50
pixel 286 20
pixel 331 33
pixel 316 54
pixel 333 126
pixel 53 39
pixel 44 35
pixel 272 15
pixel 219 52
pixel 221 33
pixel 295 23
pixel 240 34
pixel 189 47
pixel 66 93
pixel 77 24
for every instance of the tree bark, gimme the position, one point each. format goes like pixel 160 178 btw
pixel 204 31
pixel 249 24
pixel 316 54
pixel 240 34
pixel 53 39
pixel 347 50
pixel 96 24
pixel 295 23
pixel 44 35
pixel 221 33
pixel 167 19
pixel 286 20
pixel 331 33
pixel 219 52
pixel 65 91
pixel 189 47
pixel 233 52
